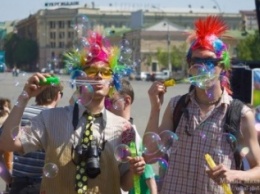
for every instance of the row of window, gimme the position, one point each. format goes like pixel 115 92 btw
pixel 70 24
pixel 60 45
pixel 61 35
pixel 60 24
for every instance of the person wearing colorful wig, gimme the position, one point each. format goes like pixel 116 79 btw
pixel 200 129
pixel 80 139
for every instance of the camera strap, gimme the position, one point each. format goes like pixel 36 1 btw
pixel 75 118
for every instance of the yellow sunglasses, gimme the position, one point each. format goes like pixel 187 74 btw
pixel 93 71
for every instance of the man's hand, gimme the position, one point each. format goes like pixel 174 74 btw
pixel 221 174
pixel 156 94
pixel 33 87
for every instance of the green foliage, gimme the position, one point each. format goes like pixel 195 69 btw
pixel 10 43
pixel 20 51
pixel 149 60
pixel 249 48
pixel 177 56
pixel 162 57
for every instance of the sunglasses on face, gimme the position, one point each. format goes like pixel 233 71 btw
pixel 104 72
pixel 61 94
pixel 205 61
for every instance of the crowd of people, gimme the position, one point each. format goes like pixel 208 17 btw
pixel 80 139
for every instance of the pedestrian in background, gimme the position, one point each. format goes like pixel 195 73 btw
pixel 27 170
pixel 120 103
pixel 6 158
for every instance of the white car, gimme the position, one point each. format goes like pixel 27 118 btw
pixel 143 76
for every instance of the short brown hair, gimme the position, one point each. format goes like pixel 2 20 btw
pixel 48 95
pixel 3 103
pixel 127 89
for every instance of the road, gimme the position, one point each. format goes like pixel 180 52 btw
pixel 11 87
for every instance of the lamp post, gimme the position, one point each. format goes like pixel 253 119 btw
pixel 169 47
pixel 218 7
pixel 168 38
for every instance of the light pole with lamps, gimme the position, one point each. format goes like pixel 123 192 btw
pixel 168 38
pixel 218 7
pixel 168 47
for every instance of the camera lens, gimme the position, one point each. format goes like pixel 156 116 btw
pixel 93 165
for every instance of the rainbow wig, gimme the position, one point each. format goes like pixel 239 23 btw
pixel 206 36
pixel 96 48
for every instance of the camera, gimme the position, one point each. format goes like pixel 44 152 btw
pixel 93 153
pixel 90 154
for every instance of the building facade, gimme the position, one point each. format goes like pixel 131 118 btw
pixel 54 29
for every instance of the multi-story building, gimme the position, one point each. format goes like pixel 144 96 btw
pixel 54 29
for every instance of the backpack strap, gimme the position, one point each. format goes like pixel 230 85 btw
pixel 178 110
pixel 232 122
pixel 232 126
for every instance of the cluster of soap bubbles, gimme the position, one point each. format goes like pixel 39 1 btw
pixel 202 76
pixel 152 143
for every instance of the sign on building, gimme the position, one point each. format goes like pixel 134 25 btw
pixel 51 4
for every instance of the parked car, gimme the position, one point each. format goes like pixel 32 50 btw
pixel 165 74
pixel 141 76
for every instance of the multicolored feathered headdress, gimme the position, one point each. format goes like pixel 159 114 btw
pixel 95 48
pixel 206 36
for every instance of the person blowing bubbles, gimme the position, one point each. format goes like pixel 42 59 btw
pixel 207 104
pixel 74 134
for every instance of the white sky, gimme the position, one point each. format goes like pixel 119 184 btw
pixel 19 9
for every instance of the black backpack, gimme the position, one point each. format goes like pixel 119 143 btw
pixel 232 123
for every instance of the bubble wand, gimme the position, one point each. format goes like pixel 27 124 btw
pixel 53 80
pixel 212 164
pixel 136 177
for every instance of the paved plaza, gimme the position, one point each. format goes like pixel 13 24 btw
pixel 11 87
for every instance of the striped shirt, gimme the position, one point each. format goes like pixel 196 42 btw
pixel 186 173
pixel 31 164
pixel 53 131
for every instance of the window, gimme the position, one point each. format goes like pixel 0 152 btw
pixel 53 45
pixel 61 35
pixel 52 35
pixel 69 23
pixel 61 44
pixel 52 24
pixel 70 35
pixel 61 24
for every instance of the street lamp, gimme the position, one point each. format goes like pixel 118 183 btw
pixel 168 46
pixel 218 7
pixel 168 38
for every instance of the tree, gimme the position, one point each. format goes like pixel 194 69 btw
pixel 26 52
pixel 10 43
pixel 21 52
pixel 177 56
pixel 249 48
